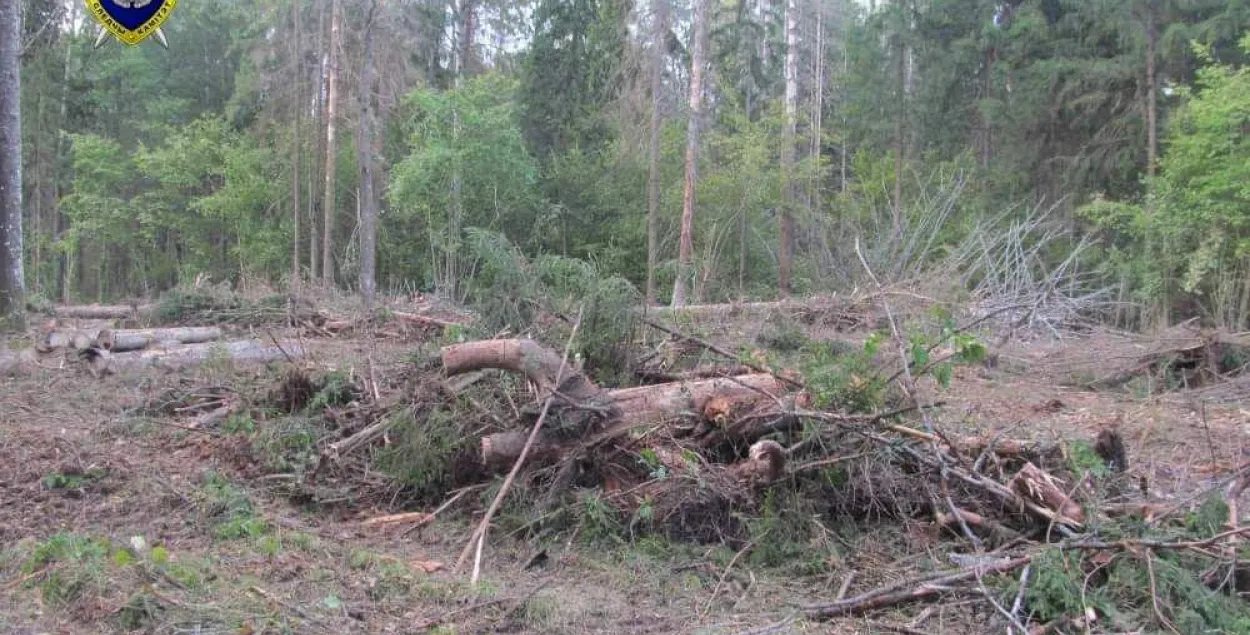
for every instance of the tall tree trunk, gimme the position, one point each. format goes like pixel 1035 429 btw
pixel 900 117
pixel 36 212
pixel 468 27
pixel 842 106
pixel 12 283
pixel 332 148
pixel 818 104
pixel 64 272
pixel 368 165
pixel 659 19
pixel 314 244
pixel 1152 130
pixel 297 104
pixel 685 253
pixel 786 255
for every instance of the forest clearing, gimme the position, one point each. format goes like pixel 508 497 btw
pixel 330 473
pixel 735 317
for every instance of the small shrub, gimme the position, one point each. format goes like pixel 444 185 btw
pixel 422 454
pixel 287 444
pixel 230 508
pixel 846 380
pixel 72 565
pixel 73 480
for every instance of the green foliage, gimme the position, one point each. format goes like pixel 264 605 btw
pixel 1126 587
pixel 61 480
pixel 570 73
pixel 511 291
pixel 1192 235
pixel 84 567
pixel 466 167
pixel 229 507
pixel 844 380
pixel 1083 459
pixel 287 444
pixel 336 389
pixel 422 450
pixel 781 535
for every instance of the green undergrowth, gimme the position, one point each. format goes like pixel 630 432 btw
pixel 514 292
pixel 228 508
pixel 73 572
pixel 1159 590
pixel 424 449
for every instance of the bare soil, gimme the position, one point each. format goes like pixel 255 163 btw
pixel 320 570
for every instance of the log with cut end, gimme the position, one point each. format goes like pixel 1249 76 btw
pixel 196 354
pixel 75 339
pixel 1041 488
pixel 105 311
pixel 136 339
pixel 121 340
pixel 538 363
pixel 636 407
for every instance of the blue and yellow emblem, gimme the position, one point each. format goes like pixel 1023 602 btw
pixel 131 21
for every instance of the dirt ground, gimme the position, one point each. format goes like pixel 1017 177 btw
pixel 75 461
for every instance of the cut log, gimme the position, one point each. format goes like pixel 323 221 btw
pixel 105 311
pixel 638 406
pixel 75 339
pixel 137 339
pixel 121 340
pixel 538 363
pixel 196 354
pixel 1043 489
pixel 705 372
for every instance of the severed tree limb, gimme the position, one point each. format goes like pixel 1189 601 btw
pixel 635 407
pixel 479 534
pixel 921 588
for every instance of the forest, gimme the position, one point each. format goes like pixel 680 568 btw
pixel 626 316
pixel 701 151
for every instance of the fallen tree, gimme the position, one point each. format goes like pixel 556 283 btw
pixel 243 351
pixel 194 354
pixel 589 412
pixel 121 340
pixel 105 311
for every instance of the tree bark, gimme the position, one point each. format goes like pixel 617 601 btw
pixel 785 256
pixel 196 354
pixel 818 104
pixel 659 20
pixel 365 159
pixel 900 118
pixel 105 311
pixel 332 98
pixel 12 280
pixel 298 107
pixel 61 222
pixel 686 244
pixel 1152 130
pixel 121 340
pixel 655 404
pixel 468 65
pixel 319 163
